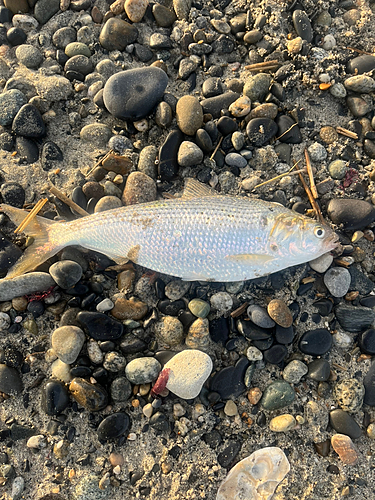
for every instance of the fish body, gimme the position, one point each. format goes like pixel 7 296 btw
pixel 197 237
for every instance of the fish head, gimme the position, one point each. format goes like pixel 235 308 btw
pixel 297 236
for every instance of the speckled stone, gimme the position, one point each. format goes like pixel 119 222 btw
pixel 142 370
pixel 129 309
pixel 349 394
pixel 87 488
pixel 337 280
pixel 97 134
pixel 256 86
pixel 169 331
pixel 139 188
pixel 337 169
pixel 10 381
pixel 135 9
pixel 294 371
pixel 221 302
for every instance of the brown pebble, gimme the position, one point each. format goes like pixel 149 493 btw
pixel 117 7
pixel 92 189
pixel 125 280
pixel 91 396
pixel 160 64
pixel 96 15
pixel 61 449
pixel 135 9
pixel 345 449
pixel 139 188
pixel 189 114
pixel 129 309
pixel 280 313
pixel 254 395
pixel 351 296
pixel 369 235
pixel 323 448
pixel 19 304
pixel 328 135
pixel 118 164
pixel 116 459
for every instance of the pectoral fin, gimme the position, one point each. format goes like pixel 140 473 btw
pixel 250 258
pixel 195 189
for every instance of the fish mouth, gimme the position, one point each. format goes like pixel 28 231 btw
pixel 333 242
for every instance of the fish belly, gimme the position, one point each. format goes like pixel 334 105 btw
pixel 196 239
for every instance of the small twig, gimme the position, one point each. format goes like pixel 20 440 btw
pixel 281 175
pixel 346 132
pixel 263 66
pixel 217 147
pixel 237 312
pixel 61 196
pixel 314 192
pixel 314 204
pixel 286 131
pixel 99 162
pixel 359 51
pixel 26 221
pixel 339 367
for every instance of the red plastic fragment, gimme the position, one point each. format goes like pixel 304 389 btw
pixel 161 382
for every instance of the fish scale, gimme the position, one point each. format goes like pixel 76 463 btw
pixel 201 237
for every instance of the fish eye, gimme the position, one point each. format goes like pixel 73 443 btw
pixel 319 232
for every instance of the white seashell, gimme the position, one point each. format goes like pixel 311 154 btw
pixel 255 477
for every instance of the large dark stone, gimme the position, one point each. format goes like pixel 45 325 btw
pixel 352 214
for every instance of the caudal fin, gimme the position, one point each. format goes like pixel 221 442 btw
pixel 43 246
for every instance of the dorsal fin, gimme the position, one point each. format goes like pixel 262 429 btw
pixel 195 189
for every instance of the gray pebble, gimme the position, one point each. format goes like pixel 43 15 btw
pixel 317 152
pixel 142 370
pixel 30 56
pixel 146 162
pixel 337 280
pixel 96 134
pixel 256 87
pixel 238 140
pixel 235 160
pixel 189 154
pixel 24 285
pixel 358 106
pixel 11 101
pixel 121 389
pixel 338 90
pixel 176 289
pixel 63 36
pixel 114 362
pixel 18 486
pixel 337 169
pixel 294 371
pixel 221 302
pixel 120 144
pixel 10 381
pixel 67 342
pixel 107 203
pixel 87 488
pixel 76 49
pixel 260 317
pixel 105 305
pixel 66 273
pixel 361 83
pixel 4 321
pixel 106 68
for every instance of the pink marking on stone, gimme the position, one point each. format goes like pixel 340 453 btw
pixel 161 382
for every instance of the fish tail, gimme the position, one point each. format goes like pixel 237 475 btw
pixel 44 246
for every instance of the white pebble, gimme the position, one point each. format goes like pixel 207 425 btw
pixel 178 410
pixel 17 487
pixel 37 442
pixel 322 263
pixel 221 302
pixel 105 305
pixel 4 321
pixel 329 41
pixel 132 436
pixel 148 410
pixel 254 354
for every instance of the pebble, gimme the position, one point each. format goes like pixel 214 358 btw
pixel 67 342
pixel 345 449
pixel 139 188
pixel 18 486
pixel 113 426
pixel 349 394
pixel 316 342
pixel 198 336
pixel 116 34
pixel 189 114
pixel 283 423
pixel 280 313
pixel 189 154
pixel 87 488
pixel 322 263
pixel 135 9
pixel 260 317
pixel 288 130
pixel 235 160
pixel 169 331
pixel 114 362
pixel 260 130
pixel 230 408
pixel 221 302
pixel 294 371
pixel 164 17
pixel 37 442
pixel 352 214
pixel 256 87
pixel 361 64
pixel 10 381
pixel 91 396
pixel 199 308
pixel 129 309
pixel 66 273
pixel 29 56
pixel 28 122
pixel 354 319
pixel 189 370
pixel 240 107
pixel 245 476
pixel 343 423
pixel 337 169
pixel 366 341
pixel 45 9
pixel 361 83
pixel 4 321
pixel 369 384
pixel 55 397
pixel 319 370
pixel 11 101
pixel 338 90
pixel 99 326
pixel 142 370
pixel 277 395
pixel 25 285
pixel 214 105
pixel 61 371
pixel 135 92
pixel 302 25
pixel 337 280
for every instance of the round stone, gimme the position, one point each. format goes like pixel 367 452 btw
pixel 113 426
pixel 235 160
pixel 277 395
pixel 349 394
pixel 280 313
pixel 337 169
pixel 176 289
pixel 328 135
pixel 361 64
pixel 116 34
pixel 96 134
pixel 11 101
pixel 114 362
pixel 189 370
pixel 63 36
pixel 121 389
pixel 261 130
pixel 254 354
pixel 360 83
pixel 260 317
pixel 66 273
pixel 139 188
pixel 322 263
pixel 354 319
pixel 337 280
pixel 107 203
pixel 283 423
pixel 189 154
pixel 366 341
pixel 135 92
pixel 352 214
pixel 221 302
pixel 142 370
pixel 55 397
pixel 294 371
pixel 67 342
pixel 199 308
pixel 189 114
pixel 316 342
pixel 77 49
pixel 169 331
pixel 338 90
pixel 319 370
pixel 135 9
pixel 91 396
pixel 275 354
pixel 256 87
pixel 29 56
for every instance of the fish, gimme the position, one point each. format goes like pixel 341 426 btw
pixel 200 236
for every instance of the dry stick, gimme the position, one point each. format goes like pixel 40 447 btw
pixel 312 199
pixel 346 132
pixel 99 162
pixel 280 176
pixel 286 131
pixel 26 221
pixel 217 147
pixel 263 65
pixel 314 192
pixel 239 310
pixel 359 51
pixel 61 196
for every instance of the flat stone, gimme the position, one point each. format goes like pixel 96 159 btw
pixel 10 381
pixel 91 396
pixel 116 34
pixel 361 64
pixel 316 342
pixel 337 280
pixel 322 263
pixel 261 130
pixel 129 309
pixel 66 273
pixel 142 370
pixel 97 134
pixel 135 92
pixel 360 83
pixel 280 313
pixel 354 319
pixel 345 449
pixel 319 370
pixel 353 214
pixel 277 395
pixel 113 426
pixel 11 101
pixel 189 370
pixel 294 371
pixel 199 308
pixel 260 317
pixel 256 86
pixel 343 423
pixel 99 326
pixel 214 105
pixel 45 9
pixel 25 285
pixel 67 342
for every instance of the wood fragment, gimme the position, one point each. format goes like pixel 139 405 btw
pixel 99 162
pixel 339 367
pixel 346 132
pixel 281 175
pixel 314 204
pixel 61 196
pixel 263 66
pixel 217 147
pixel 26 221
pixel 359 51
pixel 314 192
pixel 286 131
pixel 240 310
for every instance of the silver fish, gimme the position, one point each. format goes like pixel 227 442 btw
pixel 200 236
